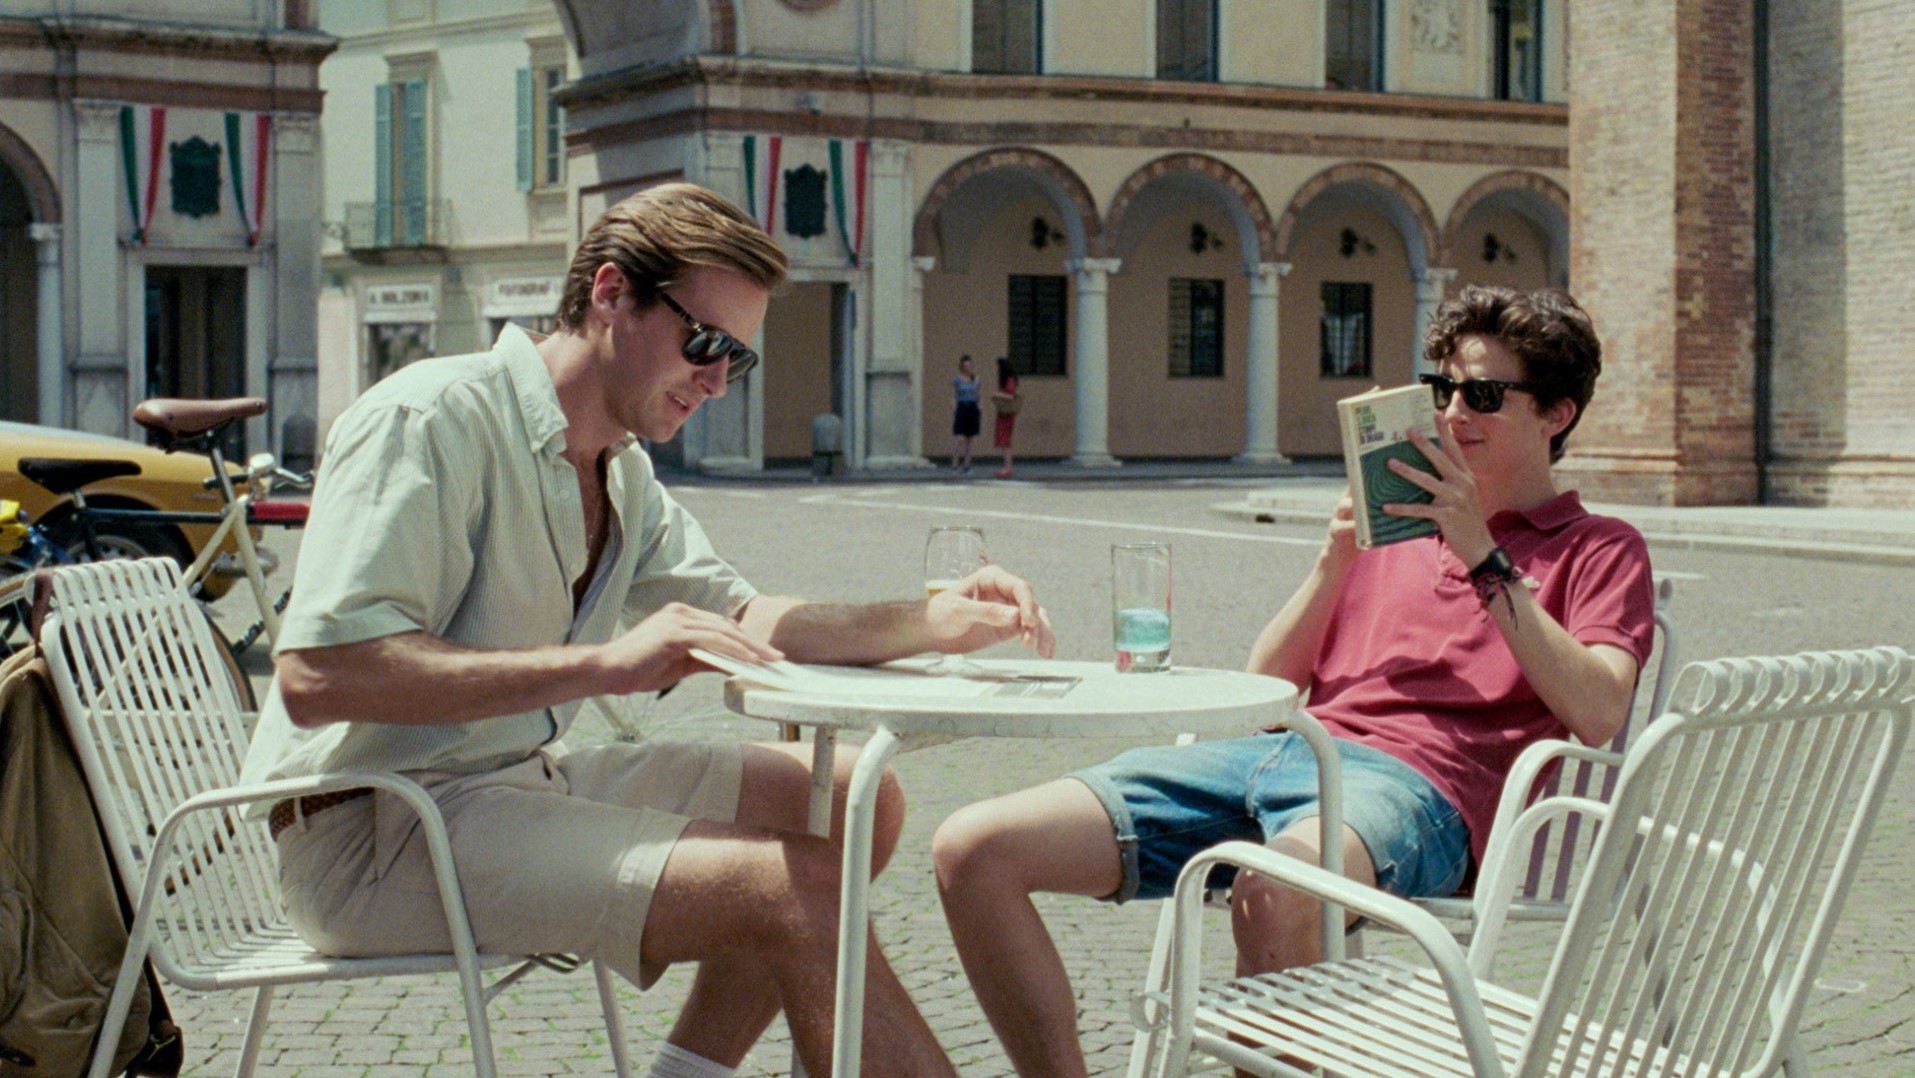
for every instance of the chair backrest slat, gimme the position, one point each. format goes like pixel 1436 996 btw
pixel 1560 847
pixel 156 721
pixel 1736 829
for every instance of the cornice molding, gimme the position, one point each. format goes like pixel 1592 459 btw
pixel 179 40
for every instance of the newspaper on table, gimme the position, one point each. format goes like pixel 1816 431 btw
pixel 814 679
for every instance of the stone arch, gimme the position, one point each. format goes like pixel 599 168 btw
pixel 1065 189
pixel 1381 189
pixel 1256 231
pixel 43 195
pixel 1536 197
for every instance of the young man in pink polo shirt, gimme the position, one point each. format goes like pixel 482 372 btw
pixel 1433 661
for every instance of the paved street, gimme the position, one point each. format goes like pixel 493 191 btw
pixel 856 542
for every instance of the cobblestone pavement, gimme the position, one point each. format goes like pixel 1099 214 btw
pixel 862 543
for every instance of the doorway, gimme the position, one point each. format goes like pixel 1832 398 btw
pixel 19 305
pixel 196 336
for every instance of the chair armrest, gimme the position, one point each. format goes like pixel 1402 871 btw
pixel 1530 766
pixel 1501 873
pixel 438 846
pixel 1445 954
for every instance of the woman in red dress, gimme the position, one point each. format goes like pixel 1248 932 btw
pixel 1008 404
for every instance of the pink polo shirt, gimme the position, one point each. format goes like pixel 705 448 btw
pixel 1413 665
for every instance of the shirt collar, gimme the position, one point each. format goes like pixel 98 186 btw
pixel 1563 509
pixel 538 399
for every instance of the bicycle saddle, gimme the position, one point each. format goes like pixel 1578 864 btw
pixel 64 476
pixel 172 416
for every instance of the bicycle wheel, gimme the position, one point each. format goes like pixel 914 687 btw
pixel 16 607
pixel 242 683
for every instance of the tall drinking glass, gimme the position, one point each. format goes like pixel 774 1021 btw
pixel 1140 606
pixel 951 554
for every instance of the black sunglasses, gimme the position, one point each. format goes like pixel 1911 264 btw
pixel 709 344
pixel 1483 395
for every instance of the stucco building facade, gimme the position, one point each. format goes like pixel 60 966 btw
pixel 1190 225
pixel 159 224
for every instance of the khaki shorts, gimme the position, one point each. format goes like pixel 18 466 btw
pixel 558 853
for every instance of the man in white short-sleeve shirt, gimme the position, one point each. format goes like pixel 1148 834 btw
pixel 483 526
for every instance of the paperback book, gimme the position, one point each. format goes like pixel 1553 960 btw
pixel 1376 427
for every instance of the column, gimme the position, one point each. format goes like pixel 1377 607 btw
pixel 100 378
pixel 1430 288
pixel 893 379
pixel 1260 416
pixel 49 326
pixel 1092 277
pixel 289 254
pixel 920 265
pixel 727 434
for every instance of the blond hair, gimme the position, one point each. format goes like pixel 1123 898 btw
pixel 658 236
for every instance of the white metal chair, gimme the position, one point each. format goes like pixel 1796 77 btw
pixel 161 739
pixel 1560 849
pixel 1693 938
pixel 1557 852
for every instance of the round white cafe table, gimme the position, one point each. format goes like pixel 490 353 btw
pixel 904 708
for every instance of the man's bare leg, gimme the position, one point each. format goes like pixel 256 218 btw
pixel 1278 927
pixel 734 893
pixel 991 857
pixel 734 997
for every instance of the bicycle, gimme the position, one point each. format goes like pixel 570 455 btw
pixel 182 425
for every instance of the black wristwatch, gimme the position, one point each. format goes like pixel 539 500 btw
pixel 1493 573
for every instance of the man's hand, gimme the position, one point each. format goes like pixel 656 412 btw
pixel 1457 507
pixel 656 653
pixel 1339 545
pixel 988 607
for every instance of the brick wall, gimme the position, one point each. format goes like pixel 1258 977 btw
pixel 1663 197
pixel 1843 152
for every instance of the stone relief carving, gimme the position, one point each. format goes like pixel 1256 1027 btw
pixel 1436 26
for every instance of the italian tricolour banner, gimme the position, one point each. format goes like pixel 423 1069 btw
pixel 852 236
pixel 249 137
pixel 761 178
pixel 142 138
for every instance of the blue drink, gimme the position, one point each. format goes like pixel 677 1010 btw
pixel 1142 637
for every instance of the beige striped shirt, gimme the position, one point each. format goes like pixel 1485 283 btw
pixel 444 505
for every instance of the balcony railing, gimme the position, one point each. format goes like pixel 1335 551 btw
pixel 400 223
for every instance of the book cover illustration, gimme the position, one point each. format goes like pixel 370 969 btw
pixel 1376 427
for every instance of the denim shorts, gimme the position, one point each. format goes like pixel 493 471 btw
pixel 1171 802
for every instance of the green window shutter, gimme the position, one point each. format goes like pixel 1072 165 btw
pixel 382 164
pixel 526 149
pixel 413 148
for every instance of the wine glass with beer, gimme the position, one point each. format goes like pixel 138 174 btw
pixel 951 554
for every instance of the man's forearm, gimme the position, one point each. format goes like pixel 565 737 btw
pixel 843 633
pixel 414 679
pixel 1288 646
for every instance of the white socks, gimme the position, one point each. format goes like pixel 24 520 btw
pixel 674 1062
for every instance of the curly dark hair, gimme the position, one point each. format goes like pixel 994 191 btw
pixel 1547 330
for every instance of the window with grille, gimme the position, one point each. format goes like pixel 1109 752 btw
pixel 1517 29
pixel 1353 45
pixel 1187 40
pixel 1036 323
pixel 1007 37
pixel 1196 327
pixel 1346 329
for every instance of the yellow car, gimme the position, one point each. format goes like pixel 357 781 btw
pixel 170 482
